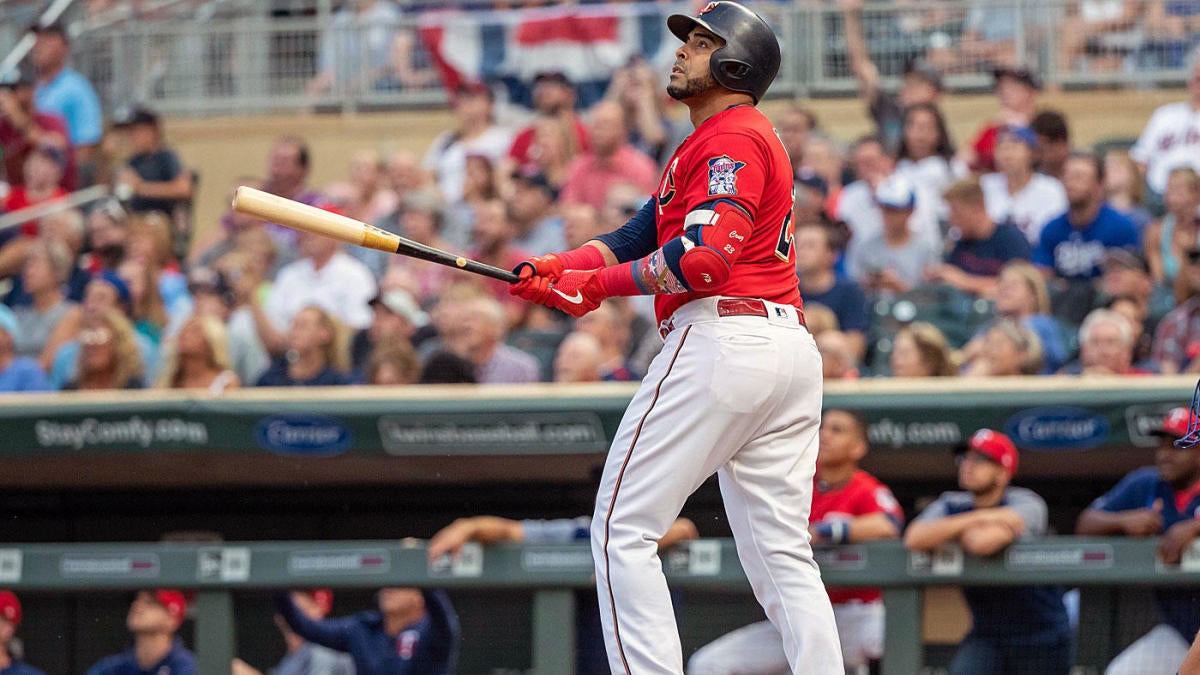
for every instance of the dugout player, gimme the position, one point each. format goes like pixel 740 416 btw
pixel 10 619
pixel 1015 630
pixel 849 506
pixel 154 618
pixel 414 632
pixel 736 389
pixel 1151 501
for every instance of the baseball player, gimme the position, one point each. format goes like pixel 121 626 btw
pixel 10 619
pixel 736 389
pixel 849 506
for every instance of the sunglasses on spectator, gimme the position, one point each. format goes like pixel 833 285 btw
pixel 1193 256
pixel 95 336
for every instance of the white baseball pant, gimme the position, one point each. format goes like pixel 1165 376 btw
pixel 739 396
pixel 1158 652
pixel 757 649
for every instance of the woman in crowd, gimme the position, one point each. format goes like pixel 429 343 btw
pixel 1179 228
pixel 421 220
pixel 479 186
pixel 1125 188
pixel 371 198
pixel 317 353
pixel 146 306
pixel 393 362
pixel 1009 348
pixel 1015 193
pixel 921 350
pixel 198 358
pixel 926 153
pixel 150 243
pixel 108 357
pixel 1022 297
pixel 48 322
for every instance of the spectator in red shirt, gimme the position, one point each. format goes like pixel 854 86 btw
pixel 22 128
pixel 553 96
pixel 1017 90
pixel 611 160
pixel 43 172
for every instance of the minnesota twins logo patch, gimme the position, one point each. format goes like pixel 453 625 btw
pixel 722 175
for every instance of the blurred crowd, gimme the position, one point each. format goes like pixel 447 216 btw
pixel 1012 252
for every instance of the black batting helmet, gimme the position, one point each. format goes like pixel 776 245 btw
pixel 749 59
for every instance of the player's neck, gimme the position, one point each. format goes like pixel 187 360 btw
pixel 151 648
pixel 715 100
pixel 835 476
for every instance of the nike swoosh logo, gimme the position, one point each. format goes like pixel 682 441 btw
pixel 576 299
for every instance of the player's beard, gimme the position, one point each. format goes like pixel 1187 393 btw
pixel 691 87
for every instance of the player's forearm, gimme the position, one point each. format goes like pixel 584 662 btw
pixel 988 538
pixel 1097 523
pixel 927 535
pixel 494 529
pixel 873 527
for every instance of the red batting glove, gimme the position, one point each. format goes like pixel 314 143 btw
pixel 529 286
pixel 549 266
pixel 577 292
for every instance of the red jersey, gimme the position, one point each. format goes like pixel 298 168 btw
pixel 19 199
pixel 735 155
pixel 863 495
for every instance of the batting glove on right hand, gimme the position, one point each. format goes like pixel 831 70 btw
pixel 549 266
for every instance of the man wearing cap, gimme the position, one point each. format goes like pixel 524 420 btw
pixel 983 247
pixel 1016 91
pixel 154 618
pixel 10 620
pixel 63 91
pixel 539 227
pixel 1015 193
pixel 1054 142
pixel 1148 502
pixel 895 259
pixel 303 657
pixel 17 373
pixel 553 96
pixel 921 83
pixel 155 178
pixel 22 128
pixel 414 631
pixel 612 159
pixel 1015 629
pixel 395 316
pixel 1073 244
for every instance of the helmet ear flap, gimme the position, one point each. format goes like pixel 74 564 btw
pixel 737 70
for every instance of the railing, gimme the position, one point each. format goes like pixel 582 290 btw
pixel 550 573
pixel 238 57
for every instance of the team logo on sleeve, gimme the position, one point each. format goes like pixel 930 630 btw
pixel 722 175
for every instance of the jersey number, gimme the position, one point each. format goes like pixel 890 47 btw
pixel 783 249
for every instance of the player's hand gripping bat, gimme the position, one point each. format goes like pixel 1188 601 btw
pixel 299 216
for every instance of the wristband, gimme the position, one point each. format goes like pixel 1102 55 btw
pixel 583 258
pixel 619 280
pixel 836 532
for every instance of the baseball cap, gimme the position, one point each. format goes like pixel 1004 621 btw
pixel 1020 133
pixel 133 116
pixel 920 68
pixel 112 278
pixel 55 28
pixel 1174 424
pixel 555 76
pixel 533 177
pixel 809 179
pixel 174 601
pixel 1023 75
pixel 323 597
pixel 1123 257
pixel 8 321
pixel 994 445
pixel 896 192
pixel 10 608
pixel 401 303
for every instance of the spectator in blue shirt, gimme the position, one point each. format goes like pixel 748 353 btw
pixel 154 617
pixel 17 373
pixel 63 91
pixel 413 632
pixel 1073 245
pixel 1148 502
pixel 816 255
pixel 10 619
pixel 1016 629
pixel 983 247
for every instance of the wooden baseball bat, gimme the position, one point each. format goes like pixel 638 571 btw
pixel 276 209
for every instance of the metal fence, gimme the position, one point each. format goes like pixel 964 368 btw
pixel 248 56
